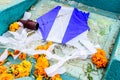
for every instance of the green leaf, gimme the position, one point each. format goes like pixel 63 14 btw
pixel 89 68
pixel 89 77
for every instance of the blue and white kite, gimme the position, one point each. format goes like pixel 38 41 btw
pixel 66 25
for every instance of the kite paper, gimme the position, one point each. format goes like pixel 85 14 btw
pixel 66 25
pixel 62 24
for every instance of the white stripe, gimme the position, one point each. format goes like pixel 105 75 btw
pixel 60 24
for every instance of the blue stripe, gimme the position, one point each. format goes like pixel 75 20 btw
pixel 46 21
pixel 76 26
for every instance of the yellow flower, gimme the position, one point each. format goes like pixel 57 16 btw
pixel 99 58
pixel 42 62
pixel 56 77
pixel 26 64
pixel 21 70
pixel 3 69
pixel 13 27
pixel 39 78
pixel 40 65
pixel 6 76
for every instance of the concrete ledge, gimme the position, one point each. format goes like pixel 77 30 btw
pixel 113 69
pixel 109 5
pixel 13 13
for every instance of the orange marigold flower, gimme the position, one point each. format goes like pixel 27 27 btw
pixel 16 52
pixel 45 47
pixel 36 56
pixel 39 78
pixel 42 62
pixel 13 27
pixel 22 56
pixel 40 47
pixel 2 62
pixel 21 70
pixel 6 76
pixel 3 69
pixel 40 72
pixel 40 65
pixel 56 77
pixel 99 58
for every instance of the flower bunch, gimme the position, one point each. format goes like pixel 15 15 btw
pixel 13 27
pixel 21 70
pixel 99 58
pixel 41 64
